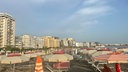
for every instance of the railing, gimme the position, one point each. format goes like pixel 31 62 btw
pixel 49 68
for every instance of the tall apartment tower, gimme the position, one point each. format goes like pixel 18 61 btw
pixel 7 30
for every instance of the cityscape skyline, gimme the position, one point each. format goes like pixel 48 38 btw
pixel 84 20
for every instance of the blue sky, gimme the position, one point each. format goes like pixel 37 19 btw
pixel 104 21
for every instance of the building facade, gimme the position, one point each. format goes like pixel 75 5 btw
pixel 7 30
pixel 37 42
pixel 26 41
pixel 49 42
pixel 68 42
pixel 79 44
pixel 18 42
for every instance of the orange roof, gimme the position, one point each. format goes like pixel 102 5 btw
pixel 115 53
pixel 113 58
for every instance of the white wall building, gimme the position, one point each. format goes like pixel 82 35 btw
pixel 32 41
pixel 7 30
pixel 79 44
pixel 37 42
pixel 68 42
pixel 18 41
pixel 64 42
pixel 26 41
pixel 91 44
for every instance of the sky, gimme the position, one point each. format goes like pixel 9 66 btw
pixel 104 21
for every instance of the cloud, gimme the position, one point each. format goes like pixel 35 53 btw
pixel 66 16
pixel 87 17
pixel 94 10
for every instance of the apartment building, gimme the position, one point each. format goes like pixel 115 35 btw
pixel 7 30
pixel 68 42
pixel 49 41
pixel 29 41
pixel 37 42
pixel 26 41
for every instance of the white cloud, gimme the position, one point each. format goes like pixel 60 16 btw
pixel 94 10
pixel 87 16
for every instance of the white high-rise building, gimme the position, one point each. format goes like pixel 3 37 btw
pixel 37 42
pixel 26 41
pixel 7 30
pixel 79 44
pixel 32 41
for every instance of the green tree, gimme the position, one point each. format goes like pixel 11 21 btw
pixel 15 50
pixel 8 48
